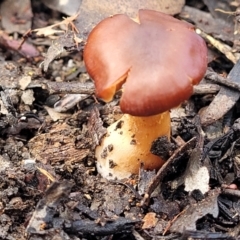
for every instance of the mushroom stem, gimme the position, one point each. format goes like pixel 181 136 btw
pixel 127 144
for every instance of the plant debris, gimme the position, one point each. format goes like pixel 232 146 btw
pixel 187 220
pixel 51 123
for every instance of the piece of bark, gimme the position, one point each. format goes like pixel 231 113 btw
pixel 61 143
pixel 46 207
pixel 86 227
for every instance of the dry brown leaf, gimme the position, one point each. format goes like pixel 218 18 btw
pixel 92 12
pixel 187 221
pixel 149 220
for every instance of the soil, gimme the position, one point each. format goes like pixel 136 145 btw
pixel 49 184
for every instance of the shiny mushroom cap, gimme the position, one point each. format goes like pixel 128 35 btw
pixel 158 59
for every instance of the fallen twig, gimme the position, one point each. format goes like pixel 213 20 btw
pixel 164 170
pixel 64 87
pixel 226 82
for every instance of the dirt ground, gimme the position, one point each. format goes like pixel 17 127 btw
pixel 51 122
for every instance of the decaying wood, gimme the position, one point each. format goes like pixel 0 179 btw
pixel 62 143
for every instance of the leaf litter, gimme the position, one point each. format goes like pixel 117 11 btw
pixel 49 184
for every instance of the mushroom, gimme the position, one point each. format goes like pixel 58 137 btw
pixel 156 61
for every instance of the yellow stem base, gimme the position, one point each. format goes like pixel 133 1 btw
pixel 127 144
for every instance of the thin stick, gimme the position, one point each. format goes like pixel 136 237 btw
pixel 226 82
pixel 164 170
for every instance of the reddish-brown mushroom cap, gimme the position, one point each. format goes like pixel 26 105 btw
pixel 158 59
